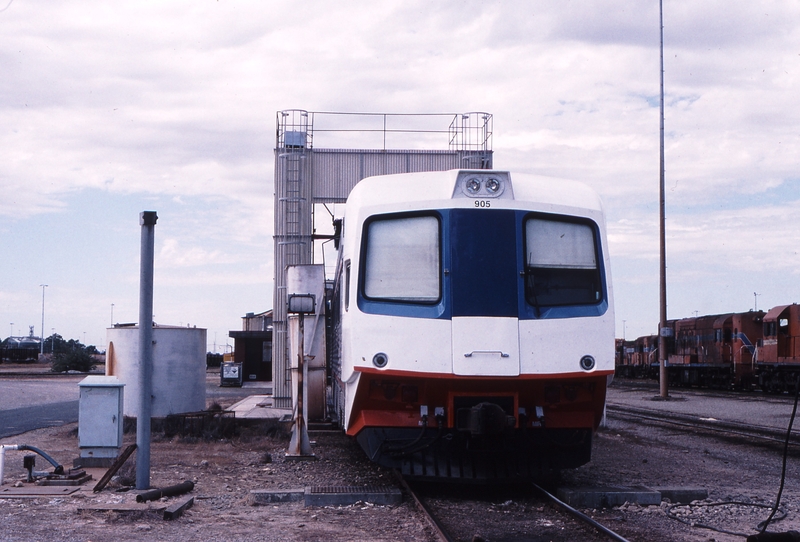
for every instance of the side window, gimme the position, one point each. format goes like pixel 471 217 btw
pixel 402 260
pixel 561 263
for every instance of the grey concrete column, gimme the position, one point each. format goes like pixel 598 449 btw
pixel 147 220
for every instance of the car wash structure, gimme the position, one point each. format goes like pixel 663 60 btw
pixel 306 175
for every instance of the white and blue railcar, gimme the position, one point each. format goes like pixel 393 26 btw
pixel 474 320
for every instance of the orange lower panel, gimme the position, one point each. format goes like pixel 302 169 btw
pixel 383 418
pixel 388 401
pixel 388 418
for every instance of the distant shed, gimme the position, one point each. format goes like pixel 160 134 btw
pixel 253 346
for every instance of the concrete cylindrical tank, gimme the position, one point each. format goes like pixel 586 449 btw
pixel 179 368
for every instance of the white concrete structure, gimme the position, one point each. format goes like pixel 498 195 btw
pixel 179 368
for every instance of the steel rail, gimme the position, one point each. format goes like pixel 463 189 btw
pixel 442 535
pixel 580 515
pixel 436 526
pixel 696 422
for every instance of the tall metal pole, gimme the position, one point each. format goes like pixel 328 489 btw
pixel 147 220
pixel 662 339
pixel 41 346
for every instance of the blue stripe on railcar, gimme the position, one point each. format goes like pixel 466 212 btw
pixel 482 259
pixel 484 270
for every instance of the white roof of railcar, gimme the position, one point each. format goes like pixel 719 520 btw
pixel 439 185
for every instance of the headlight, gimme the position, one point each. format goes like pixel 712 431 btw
pixel 473 186
pixel 492 185
pixel 380 360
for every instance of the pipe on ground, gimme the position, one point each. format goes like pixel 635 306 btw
pixel 58 469
pixel 169 491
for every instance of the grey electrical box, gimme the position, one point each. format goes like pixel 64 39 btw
pixel 99 420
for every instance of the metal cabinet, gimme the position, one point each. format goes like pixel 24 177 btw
pixel 100 419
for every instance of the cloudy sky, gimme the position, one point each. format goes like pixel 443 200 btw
pixel 108 109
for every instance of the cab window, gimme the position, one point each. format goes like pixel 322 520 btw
pixel 561 263
pixel 402 260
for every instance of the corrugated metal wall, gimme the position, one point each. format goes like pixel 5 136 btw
pixel 307 176
pixel 336 171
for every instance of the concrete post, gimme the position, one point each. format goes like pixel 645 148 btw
pixel 147 220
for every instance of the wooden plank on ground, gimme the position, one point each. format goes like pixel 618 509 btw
pixel 174 511
pixel 114 468
pixel 31 492
pixel 122 507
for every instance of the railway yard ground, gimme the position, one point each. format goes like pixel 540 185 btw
pixel 635 448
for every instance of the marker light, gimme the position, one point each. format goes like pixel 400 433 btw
pixel 483 185
pixel 587 363
pixel 492 185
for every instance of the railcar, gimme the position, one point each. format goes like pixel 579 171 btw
pixel 779 357
pixel 715 351
pixel 621 356
pixel 19 350
pixel 739 336
pixel 473 319
pixel 638 358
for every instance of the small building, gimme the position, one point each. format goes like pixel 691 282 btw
pixel 252 346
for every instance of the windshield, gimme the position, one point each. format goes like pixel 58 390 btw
pixel 561 263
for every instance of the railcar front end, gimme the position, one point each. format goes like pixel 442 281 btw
pixel 476 323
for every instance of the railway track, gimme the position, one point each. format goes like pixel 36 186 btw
pixel 747 417
pixel 745 432
pixel 537 524
pixel 632 384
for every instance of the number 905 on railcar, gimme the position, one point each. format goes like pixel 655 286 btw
pixel 473 323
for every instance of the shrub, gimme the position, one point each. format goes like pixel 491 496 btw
pixel 76 359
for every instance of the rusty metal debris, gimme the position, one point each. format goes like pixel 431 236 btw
pixel 73 477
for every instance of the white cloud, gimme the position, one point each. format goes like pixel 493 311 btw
pixel 172 106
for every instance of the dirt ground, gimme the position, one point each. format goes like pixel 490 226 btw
pixel 225 470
